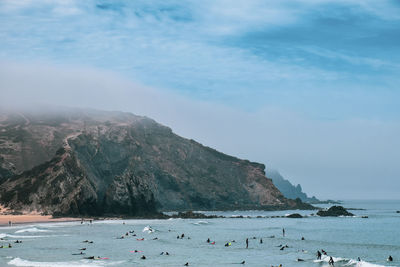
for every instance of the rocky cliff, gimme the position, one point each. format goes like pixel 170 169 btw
pixel 288 189
pixel 86 162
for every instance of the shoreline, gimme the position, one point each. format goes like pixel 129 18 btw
pixel 32 218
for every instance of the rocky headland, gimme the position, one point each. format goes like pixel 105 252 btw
pixel 95 163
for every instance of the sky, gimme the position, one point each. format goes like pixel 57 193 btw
pixel 307 87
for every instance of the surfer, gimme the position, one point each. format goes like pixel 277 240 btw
pixel 208 240
pixel 143 257
pixel 331 262
pixel 243 262
pixel 390 258
pixel 319 255
pixel 186 264
pixel 182 236
pixel 261 241
pixel 247 243
pixel 283 232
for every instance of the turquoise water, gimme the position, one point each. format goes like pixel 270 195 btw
pixel 345 238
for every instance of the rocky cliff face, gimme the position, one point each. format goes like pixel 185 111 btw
pixel 289 190
pixel 95 163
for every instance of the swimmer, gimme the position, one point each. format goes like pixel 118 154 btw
pixel 82 249
pixel 302 238
pixel 182 236
pixel 143 257
pixel 166 253
pixel 300 260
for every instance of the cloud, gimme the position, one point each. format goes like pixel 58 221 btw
pixel 330 158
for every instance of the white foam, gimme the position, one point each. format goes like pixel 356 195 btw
pixel 362 264
pixel 200 222
pixel 82 263
pixel 148 229
pixel 350 262
pixel 31 230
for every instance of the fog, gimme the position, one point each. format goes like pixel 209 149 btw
pixel 337 159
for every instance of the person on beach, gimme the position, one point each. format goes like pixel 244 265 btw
pixel 331 262
pixel 247 243
pixel 319 255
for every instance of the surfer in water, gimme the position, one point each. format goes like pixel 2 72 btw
pixel 319 255
pixel 283 232
pixel 331 262
pixel 247 243
pixel 390 258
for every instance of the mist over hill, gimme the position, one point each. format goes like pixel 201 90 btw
pixel 90 162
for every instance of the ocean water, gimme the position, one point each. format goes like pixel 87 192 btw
pixel 372 239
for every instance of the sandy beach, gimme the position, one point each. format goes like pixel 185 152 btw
pixel 6 217
pixel 31 218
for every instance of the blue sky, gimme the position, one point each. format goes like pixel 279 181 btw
pixel 329 64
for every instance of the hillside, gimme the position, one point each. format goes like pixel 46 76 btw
pixel 87 162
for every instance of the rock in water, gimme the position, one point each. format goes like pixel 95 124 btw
pixel 294 215
pixel 86 162
pixel 334 211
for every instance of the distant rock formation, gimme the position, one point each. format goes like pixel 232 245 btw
pixel 86 162
pixel 288 189
pixel 294 215
pixel 334 211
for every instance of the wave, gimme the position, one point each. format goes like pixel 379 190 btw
pixel 350 262
pixel 31 230
pixel 20 236
pixel 148 229
pixel 82 263
pixel 200 223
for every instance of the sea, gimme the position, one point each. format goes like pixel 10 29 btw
pixel 345 239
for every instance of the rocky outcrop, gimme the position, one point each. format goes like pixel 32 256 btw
pixel 334 211
pixel 119 163
pixel 288 189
